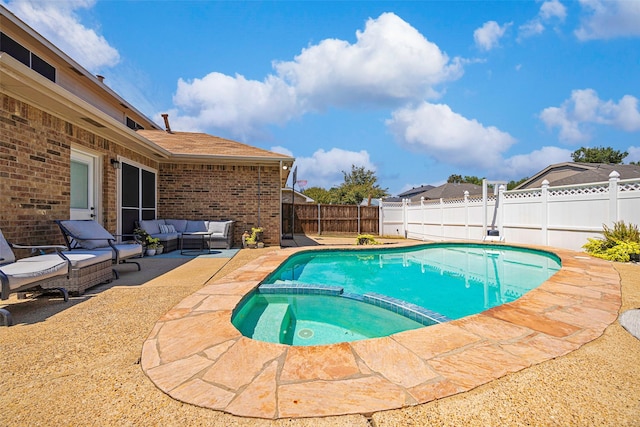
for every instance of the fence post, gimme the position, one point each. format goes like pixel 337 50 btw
pixel 380 217
pixel 319 219
pixel 614 177
pixel 466 213
pixel 358 219
pixel 441 218
pixel 544 212
pixel 404 217
pixel 422 217
pixel 500 201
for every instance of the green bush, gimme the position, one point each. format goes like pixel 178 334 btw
pixel 620 243
pixel 366 239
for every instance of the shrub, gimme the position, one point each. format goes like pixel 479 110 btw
pixel 620 243
pixel 366 239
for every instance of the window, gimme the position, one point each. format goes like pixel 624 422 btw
pixel 28 58
pixel 132 124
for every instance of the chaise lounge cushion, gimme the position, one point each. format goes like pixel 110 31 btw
pixel 82 259
pixel 28 270
pixel 99 236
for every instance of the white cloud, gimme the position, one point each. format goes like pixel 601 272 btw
pixel 324 168
pixel 448 137
pixel 634 154
pixel 58 22
pixel 282 150
pixel 390 63
pixel 551 11
pixel 488 36
pixel 609 19
pixel 585 108
pixel 523 165
pixel 239 105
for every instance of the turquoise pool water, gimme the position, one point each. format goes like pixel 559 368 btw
pixel 423 285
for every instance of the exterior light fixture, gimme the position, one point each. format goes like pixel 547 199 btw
pixel 115 164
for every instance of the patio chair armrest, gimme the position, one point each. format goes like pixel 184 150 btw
pixel 35 247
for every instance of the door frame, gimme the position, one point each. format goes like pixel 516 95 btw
pixel 93 160
pixel 122 160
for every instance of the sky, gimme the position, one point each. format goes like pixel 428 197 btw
pixel 415 91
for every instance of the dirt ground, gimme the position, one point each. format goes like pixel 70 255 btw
pixel 77 364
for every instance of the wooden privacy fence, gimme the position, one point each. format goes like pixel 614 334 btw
pixel 318 219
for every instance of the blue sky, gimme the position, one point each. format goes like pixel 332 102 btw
pixel 414 90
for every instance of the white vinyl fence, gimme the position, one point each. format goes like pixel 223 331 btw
pixel 562 217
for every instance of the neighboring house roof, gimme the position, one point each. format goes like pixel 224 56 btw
pixel 414 191
pixel 193 144
pixel 449 190
pixel 299 196
pixel 572 173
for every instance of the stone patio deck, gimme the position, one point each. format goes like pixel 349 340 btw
pixel 197 356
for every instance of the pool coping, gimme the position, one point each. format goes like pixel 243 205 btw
pixel 195 355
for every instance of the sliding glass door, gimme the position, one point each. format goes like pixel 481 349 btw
pixel 137 195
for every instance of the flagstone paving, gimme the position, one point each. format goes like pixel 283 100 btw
pixel 197 356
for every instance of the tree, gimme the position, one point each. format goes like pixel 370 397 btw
pixel 598 155
pixel 320 195
pixel 458 179
pixel 359 184
pixel 454 179
pixel 513 184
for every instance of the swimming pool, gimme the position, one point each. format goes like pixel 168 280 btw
pixel 322 297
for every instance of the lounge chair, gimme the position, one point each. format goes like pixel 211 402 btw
pixel 83 235
pixel 32 273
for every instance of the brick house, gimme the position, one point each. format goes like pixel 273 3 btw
pixel 70 147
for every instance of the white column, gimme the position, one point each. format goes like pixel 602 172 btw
pixel 466 214
pixel 614 177
pixel 544 210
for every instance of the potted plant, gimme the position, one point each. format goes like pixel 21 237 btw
pixel 253 240
pixel 150 244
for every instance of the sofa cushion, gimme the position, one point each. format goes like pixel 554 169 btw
pixel 167 229
pixel 195 226
pixel 218 228
pixel 151 226
pixel 179 224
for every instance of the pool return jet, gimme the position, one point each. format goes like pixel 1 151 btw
pixel 491 233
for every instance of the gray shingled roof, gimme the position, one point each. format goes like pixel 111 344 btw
pixel 449 191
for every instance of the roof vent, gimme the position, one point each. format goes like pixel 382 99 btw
pixel 100 78
pixel 166 122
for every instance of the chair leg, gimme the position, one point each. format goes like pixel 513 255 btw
pixel 7 320
pixel 65 294
pixel 115 273
pixel 131 262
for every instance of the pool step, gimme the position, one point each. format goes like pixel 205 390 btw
pixel 272 323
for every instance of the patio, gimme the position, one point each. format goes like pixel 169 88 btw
pixel 84 357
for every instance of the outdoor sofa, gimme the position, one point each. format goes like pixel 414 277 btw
pixel 172 231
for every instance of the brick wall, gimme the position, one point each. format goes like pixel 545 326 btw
pixel 35 149
pixel 223 192
pixel 35 153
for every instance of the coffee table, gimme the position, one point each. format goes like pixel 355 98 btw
pixel 205 241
